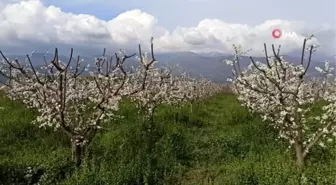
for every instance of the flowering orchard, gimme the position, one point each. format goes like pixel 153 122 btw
pixel 77 104
pixel 283 94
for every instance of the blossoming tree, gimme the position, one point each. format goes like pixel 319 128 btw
pixel 67 100
pixel 161 87
pixel 281 93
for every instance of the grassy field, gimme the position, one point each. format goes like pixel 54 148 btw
pixel 218 142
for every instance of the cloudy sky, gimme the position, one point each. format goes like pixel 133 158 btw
pixel 176 25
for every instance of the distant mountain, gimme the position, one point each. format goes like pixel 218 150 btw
pixel 316 56
pixel 208 65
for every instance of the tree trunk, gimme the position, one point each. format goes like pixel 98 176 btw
pixel 78 155
pixel 299 156
pixel 78 150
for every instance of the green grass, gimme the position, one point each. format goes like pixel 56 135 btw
pixel 219 142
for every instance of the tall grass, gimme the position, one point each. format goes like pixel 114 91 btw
pixel 218 142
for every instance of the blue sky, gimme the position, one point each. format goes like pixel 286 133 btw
pixel 176 25
pixel 175 13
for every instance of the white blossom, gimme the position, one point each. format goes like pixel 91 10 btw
pixel 281 93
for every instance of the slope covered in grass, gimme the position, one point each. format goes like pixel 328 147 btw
pixel 213 142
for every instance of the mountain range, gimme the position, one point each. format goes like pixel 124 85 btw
pixel 207 65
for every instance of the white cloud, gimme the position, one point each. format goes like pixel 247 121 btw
pixel 34 23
